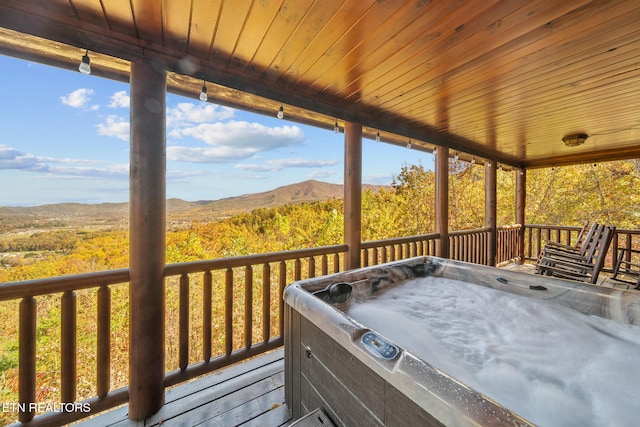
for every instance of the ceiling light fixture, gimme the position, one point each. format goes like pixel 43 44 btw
pixel 409 144
pixel 203 92
pixel 85 64
pixel 456 157
pixel 473 160
pixel 280 114
pixel 377 136
pixel 575 139
pixel 336 128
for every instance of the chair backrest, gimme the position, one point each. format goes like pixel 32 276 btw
pixel 599 251
pixel 591 239
pixel 583 233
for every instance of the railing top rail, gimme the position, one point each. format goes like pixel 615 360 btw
pixel 241 261
pixel 553 227
pixel 52 285
pixel 469 232
pixel 573 228
pixel 510 227
pixel 399 240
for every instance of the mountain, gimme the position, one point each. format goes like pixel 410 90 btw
pixel 306 191
pixel 110 215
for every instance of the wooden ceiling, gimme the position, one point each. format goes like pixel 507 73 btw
pixel 497 79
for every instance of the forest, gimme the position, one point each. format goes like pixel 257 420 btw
pixel 606 192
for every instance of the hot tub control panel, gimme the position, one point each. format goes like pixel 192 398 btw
pixel 379 346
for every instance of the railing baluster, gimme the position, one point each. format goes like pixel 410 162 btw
pixel 103 359
pixel 228 311
pixel 206 315
pixel 184 322
pixel 27 358
pixel 297 269
pixel 68 347
pixel 325 264
pixel 336 263
pixel 283 283
pixel 266 302
pixel 312 267
pixel 248 306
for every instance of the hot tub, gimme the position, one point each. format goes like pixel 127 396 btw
pixel 407 344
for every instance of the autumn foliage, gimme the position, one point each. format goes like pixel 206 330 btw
pixel 606 192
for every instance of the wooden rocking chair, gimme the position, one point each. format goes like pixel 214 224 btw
pixel 586 233
pixel 583 267
pixel 585 241
pixel 627 267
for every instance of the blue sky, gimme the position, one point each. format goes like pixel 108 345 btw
pixel 65 138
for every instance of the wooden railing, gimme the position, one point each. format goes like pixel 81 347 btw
pixel 65 288
pixel 469 245
pixel 250 284
pixel 380 251
pixel 218 311
pixel 256 281
pixel 464 245
pixel 508 244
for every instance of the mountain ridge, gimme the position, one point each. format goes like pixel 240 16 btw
pixel 113 214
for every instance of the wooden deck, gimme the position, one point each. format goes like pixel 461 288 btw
pixel 248 394
pixel 604 279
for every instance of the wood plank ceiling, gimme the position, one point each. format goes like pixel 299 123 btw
pixel 497 79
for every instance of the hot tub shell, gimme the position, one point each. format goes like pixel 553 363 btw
pixel 328 366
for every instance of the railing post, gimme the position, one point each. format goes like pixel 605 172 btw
pixel 147 223
pixel 490 219
pixel 521 203
pixel 353 192
pixel 442 201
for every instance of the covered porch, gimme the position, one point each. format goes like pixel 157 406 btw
pixel 509 85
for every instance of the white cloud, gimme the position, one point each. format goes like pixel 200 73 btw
pixel 119 100
pixel 244 135
pixel 279 164
pixel 107 172
pixel 185 114
pixel 14 159
pixel 208 154
pixel 79 98
pixel 379 178
pixel 11 158
pixel 232 141
pixel 115 126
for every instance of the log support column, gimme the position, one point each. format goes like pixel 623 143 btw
pixel 442 201
pixel 147 218
pixel 353 192
pixel 521 202
pixel 490 219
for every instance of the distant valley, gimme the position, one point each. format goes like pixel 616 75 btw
pixel 26 220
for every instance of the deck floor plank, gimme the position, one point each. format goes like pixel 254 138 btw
pixel 242 394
